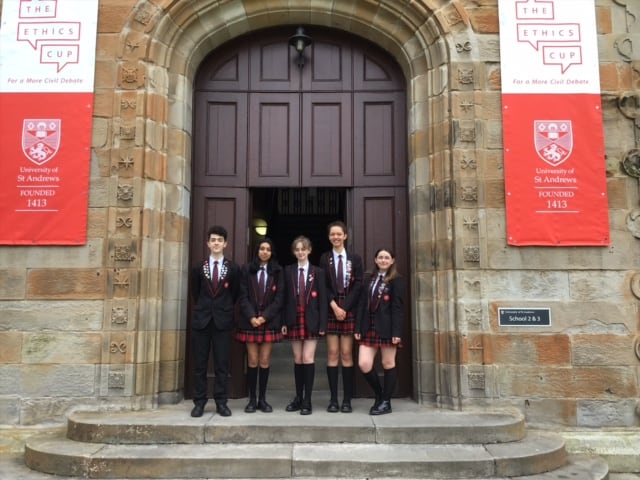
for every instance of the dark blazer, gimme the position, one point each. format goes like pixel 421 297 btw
pixel 387 305
pixel 353 285
pixel 315 313
pixel 273 297
pixel 214 305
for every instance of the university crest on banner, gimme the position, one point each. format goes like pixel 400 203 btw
pixel 553 140
pixel 40 139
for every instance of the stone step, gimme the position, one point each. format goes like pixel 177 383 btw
pixel 409 423
pixel 535 454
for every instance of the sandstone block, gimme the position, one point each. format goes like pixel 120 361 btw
pixel 67 348
pixel 66 284
pixel 607 413
pixel 10 347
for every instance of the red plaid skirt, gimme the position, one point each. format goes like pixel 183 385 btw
pixel 372 339
pixel 299 330
pixel 346 327
pixel 259 335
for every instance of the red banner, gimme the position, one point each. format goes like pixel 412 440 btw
pixel 555 182
pixel 45 169
pixel 47 62
pixel 555 178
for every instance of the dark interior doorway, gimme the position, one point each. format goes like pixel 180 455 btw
pixel 289 212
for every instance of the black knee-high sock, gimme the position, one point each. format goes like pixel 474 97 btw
pixel 390 380
pixel 332 374
pixel 374 382
pixel 263 374
pixel 298 374
pixel 347 383
pixel 309 376
pixel 252 379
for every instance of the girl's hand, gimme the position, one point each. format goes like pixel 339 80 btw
pixel 357 336
pixel 284 330
pixel 321 333
pixel 395 340
pixel 339 313
pixel 254 322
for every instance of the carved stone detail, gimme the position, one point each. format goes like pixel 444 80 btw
pixel 128 132
pixel 119 315
pixel 476 380
pixel 121 279
pixel 469 193
pixel 633 222
pixel 470 163
pixel 465 75
pixel 629 104
pixel 637 347
pixel 125 192
pixel 471 253
pixel 130 74
pixel 144 15
pixel 468 134
pixel 116 380
pixel 624 47
pixel 631 163
pixel 473 315
pixel 118 347
pixel 126 104
pixel 470 223
pixel 124 222
pixel 463 47
pixel 126 162
pixel 122 253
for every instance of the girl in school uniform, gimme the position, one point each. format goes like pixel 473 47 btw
pixel 305 317
pixel 343 270
pixel 259 324
pixel 379 327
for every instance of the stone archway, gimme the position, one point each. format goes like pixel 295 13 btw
pixel 162 46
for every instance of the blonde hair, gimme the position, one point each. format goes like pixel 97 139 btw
pixel 306 243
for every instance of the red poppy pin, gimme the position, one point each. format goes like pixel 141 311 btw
pixel 273 288
pixel 314 294
pixel 386 298
pixel 226 284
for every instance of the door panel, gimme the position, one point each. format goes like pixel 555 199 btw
pixel 379 147
pixel 274 136
pixel 228 71
pixel 227 207
pixel 329 67
pixel 220 139
pixel 380 221
pixel 272 65
pixel 326 142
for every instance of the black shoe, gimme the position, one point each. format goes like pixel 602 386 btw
pixel 251 406
pixel 263 406
pixel 197 410
pixel 305 408
pixel 382 408
pixel 294 405
pixel 346 407
pixel 333 407
pixel 375 406
pixel 223 410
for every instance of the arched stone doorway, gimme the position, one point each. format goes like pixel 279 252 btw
pixel 162 48
pixel 301 147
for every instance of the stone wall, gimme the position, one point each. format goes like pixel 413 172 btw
pixel 103 325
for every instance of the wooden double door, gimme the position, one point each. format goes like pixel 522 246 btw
pixel 297 148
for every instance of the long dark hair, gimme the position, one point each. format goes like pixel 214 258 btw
pixel 393 271
pixel 272 265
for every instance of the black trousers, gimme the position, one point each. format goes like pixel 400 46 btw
pixel 202 342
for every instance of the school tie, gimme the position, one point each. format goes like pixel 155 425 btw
pixel 374 290
pixel 340 276
pixel 261 286
pixel 301 282
pixel 214 275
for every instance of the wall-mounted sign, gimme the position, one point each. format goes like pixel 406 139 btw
pixel 524 317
